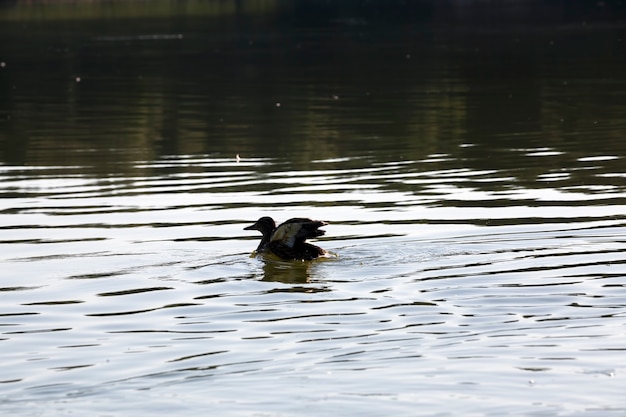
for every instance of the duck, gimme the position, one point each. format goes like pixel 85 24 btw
pixel 287 241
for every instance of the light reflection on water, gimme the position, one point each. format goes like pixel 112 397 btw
pixel 147 283
pixel 473 186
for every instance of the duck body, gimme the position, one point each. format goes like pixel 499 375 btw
pixel 287 241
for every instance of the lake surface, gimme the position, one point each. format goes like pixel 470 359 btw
pixel 473 177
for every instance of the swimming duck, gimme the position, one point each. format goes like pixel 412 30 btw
pixel 287 241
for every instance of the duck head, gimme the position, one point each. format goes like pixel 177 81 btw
pixel 265 225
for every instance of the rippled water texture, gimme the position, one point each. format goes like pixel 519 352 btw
pixel 472 177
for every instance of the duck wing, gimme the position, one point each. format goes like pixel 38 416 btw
pixel 295 231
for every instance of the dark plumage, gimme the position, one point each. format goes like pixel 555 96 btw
pixel 287 241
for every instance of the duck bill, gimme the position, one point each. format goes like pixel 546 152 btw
pixel 251 227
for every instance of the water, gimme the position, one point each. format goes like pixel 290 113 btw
pixel 473 181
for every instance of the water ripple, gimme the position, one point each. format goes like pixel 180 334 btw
pixel 118 284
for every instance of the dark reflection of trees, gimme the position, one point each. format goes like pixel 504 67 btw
pixel 398 80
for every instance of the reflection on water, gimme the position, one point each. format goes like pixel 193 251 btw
pixel 287 272
pixel 472 179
